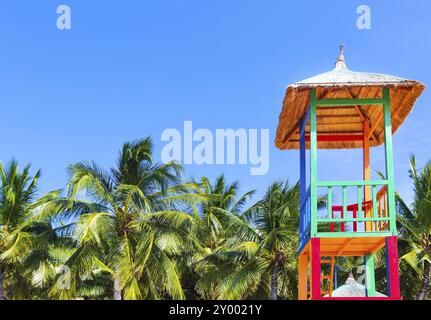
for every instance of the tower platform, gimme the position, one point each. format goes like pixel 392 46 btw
pixel 347 247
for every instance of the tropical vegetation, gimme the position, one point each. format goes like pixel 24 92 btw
pixel 140 230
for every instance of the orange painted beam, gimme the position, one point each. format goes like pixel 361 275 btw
pixel 366 171
pixel 302 277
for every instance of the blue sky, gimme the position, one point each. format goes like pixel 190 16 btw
pixel 129 69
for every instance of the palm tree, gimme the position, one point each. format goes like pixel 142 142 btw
pixel 261 252
pixel 129 224
pixel 415 223
pixel 26 233
pixel 261 262
pixel 276 218
pixel 217 220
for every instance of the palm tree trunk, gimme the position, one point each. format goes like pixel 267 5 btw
pixel 274 281
pixel 117 289
pixel 2 296
pixel 426 282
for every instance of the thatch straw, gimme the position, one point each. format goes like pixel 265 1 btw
pixel 342 83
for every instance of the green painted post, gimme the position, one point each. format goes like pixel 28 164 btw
pixel 389 160
pixel 359 214
pixel 348 102
pixel 352 183
pixel 329 205
pixel 313 161
pixel 370 276
pixel 344 194
pixel 375 212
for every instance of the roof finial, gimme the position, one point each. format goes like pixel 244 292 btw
pixel 341 62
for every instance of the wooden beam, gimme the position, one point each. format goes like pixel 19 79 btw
pixel 289 135
pixel 349 102
pixel 389 161
pixel 338 116
pixel 374 127
pixel 352 183
pixel 345 245
pixel 302 183
pixel 337 123
pixel 313 162
pixel 370 276
pixel 358 109
pixel 315 269
pixel 335 138
pixel 376 123
pixel 366 170
pixel 302 277
pixel 393 279
pixel 379 245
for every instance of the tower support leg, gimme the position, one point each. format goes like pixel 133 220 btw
pixel 393 280
pixel 303 277
pixel 315 269
pixel 370 284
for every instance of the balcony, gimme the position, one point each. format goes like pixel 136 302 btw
pixel 364 223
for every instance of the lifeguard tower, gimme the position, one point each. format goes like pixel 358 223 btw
pixel 342 109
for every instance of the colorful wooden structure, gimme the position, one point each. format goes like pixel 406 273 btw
pixel 342 109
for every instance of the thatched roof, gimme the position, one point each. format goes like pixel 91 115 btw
pixel 341 83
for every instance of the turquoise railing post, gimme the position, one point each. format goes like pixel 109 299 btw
pixel 348 211
pixel 313 161
pixel 389 160
pixel 370 284
pixel 359 214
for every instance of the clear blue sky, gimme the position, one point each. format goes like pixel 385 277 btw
pixel 129 69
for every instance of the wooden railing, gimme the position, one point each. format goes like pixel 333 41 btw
pixel 368 214
pixel 305 220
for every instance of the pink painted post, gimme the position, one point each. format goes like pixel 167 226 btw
pixel 315 269
pixel 392 267
pixel 355 224
pixel 342 223
pixel 331 225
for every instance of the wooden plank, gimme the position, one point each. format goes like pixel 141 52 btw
pixel 370 284
pixel 302 183
pixel 392 267
pixel 349 102
pixel 361 240
pixel 290 134
pixel 346 220
pixel 389 160
pixel 302 277
pixel 362 115
pixel 351 183
pixel 378 246
pixel 374 127
pixel 360 200
pixel 344 212
pixel 331 283
pixel 303 125
pixel 336 137
pixel 366 170
pixel 345 245
pixel 375 215
pixel 313 161
pixel 330 211
pixel 353 234
pixel 315 269
pixel 324 261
